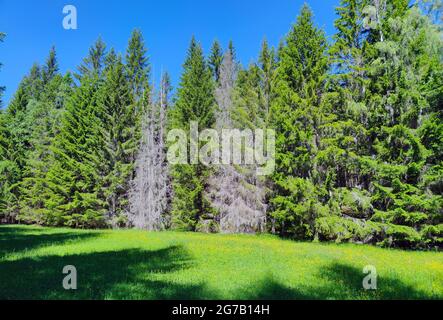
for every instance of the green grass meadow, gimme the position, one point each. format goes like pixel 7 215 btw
pixel 130 264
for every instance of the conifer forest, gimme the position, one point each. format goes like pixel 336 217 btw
pixel 358 121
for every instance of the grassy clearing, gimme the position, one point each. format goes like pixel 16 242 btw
pixel 132 264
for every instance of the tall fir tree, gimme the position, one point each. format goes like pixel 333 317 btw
pixel 195 102
pixel 267 65
pixel 74 182
pixel 404 97
pixel 137 70
pixel 50 69
pixel 110 59
pixel 116 109
pixel 46 117
pixel 298 91
pixel 137 64
pixel 94 63
pixel 19 126
pixel 215 60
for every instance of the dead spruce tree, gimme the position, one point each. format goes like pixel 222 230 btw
pixel 234 189
pixel 150 191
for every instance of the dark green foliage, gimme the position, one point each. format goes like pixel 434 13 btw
pixel 19 122
pixel 195 102
pixel 73 147
pixel 73 181
pixel 51 67
pixel 358 122
pixel 137 72
pixel 215 60
pixel 46 115
pixel 137 65
pixel 295 115
pixel 358 156
pixel 118 120
pixel 94 63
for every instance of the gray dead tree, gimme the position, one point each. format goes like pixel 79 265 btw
pixel 150 193
pixel 234 190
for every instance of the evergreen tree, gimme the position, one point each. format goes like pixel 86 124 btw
pixel 33 83
pixel 371 157
pixel 110 59
pixel 299 84
pixel 73 195
pixel 137 70
pixel 250 111
pixel 215 60
pixel 46 116
pixel 19 126
pixel 34 112
pixel 348 51
pixel 404 95
pixel 117 114
pixel 8 170
pixel 195 102
pixel 137 65
pixel 267 65
pixel 50 69
pixel 94 63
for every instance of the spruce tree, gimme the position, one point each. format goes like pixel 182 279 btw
pixel 50 69
pixel 137 64
pixel 36 108
pixel 74 180
pixel 8 169
pixel 299 84
pixel 371 157
pixel 19 127
pixel 137 71
pixel 116 108
pixel 110 59
pixel 46 115
pixel 267 65
pixel 404 96
pixel 195 102
pixel 94 63
pixel 215 60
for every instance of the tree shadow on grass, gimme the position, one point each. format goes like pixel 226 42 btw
pixel 139 274
pixel 17 239
pixel 343 282
pixel 126 274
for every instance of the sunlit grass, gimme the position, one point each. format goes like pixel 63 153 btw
pixel 131 264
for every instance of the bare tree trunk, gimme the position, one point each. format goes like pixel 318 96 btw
pixel 150 190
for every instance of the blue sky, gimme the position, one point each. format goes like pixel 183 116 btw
pixel 32 27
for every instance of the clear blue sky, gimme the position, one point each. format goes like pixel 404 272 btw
pixel 32 27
